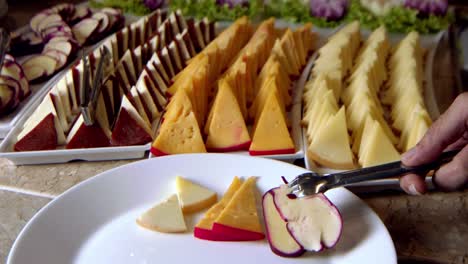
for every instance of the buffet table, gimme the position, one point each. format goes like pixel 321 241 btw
pixel 432 227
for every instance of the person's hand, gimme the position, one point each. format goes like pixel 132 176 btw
pixel 449 132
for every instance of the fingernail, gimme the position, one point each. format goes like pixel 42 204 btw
pixel 412 190
pixel 407 156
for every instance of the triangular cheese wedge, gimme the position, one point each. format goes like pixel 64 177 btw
pixel 193 197
pixel 271 135
pixel 377 147
pixel 40 137
pixel 130 128
pixel 204 226
pixel 330 147
pixel 83 136
pixel 240 219
pixel 164 217
pixel 179 136
pixel 227 130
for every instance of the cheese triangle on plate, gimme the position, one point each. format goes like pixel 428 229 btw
pixel 330 147
pixel 239 220
pixel 164 217
pixel 193 197
pixel 203 229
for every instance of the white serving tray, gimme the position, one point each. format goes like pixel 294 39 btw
pixel 428 42
pixel 294 116
pixel 63 155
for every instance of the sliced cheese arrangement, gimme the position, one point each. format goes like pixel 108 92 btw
pixel 146 55
pixel 168 216
pixel 233 218
pixel 364 103
pixel 236 93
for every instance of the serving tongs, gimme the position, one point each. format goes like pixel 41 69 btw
pixel 89 93
pixel 312 183
pixel 4 44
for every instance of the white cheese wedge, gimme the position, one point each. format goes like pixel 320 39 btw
pixel 193 197
pixel 164 217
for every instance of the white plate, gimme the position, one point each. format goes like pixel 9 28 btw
pixel 94 222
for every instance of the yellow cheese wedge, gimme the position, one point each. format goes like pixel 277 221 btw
pixel 416 133
pixel 227 130
pixel 164 217
pixel 179 136
pixel 271 135
pixel 210 216
pixel 377 147
pixel 241 211
pixel 193 197
pixel 178 105
pixel 330 147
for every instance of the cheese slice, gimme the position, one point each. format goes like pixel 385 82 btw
pixel 241 211
pixel 130 128
pixel 330 146
pixel 377 147
pixel 181 135
pixel 212 214
pixel 164 217
pixel 226 129
pixel 193 197
pixel 271 135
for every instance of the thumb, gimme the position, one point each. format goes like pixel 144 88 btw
pixel 446 130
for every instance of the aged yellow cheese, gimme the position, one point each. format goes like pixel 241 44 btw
pixel 226 127
pixel 210 216
pixel 271 133
pixel 178 136
pixel 241 211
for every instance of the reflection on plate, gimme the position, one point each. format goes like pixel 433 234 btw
pixel 94 222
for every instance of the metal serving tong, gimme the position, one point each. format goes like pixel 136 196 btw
pixel 4 44
pixel 89 93
pixel 312 183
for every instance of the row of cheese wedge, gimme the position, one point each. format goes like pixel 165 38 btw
pixel 361 97
pixel 373 140
pixel 268 93
pixel 233 218
pixel 186 112
pixel 133 94
pixel 404 92
pixel 326 129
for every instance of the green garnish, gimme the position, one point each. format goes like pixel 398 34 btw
pixel 399 19
pixel 136 7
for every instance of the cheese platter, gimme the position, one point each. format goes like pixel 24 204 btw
pixel 314 160
pixel 45 48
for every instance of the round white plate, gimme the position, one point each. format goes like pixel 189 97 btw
pixel 94 222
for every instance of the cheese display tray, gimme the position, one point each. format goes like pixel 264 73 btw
pixel 430 44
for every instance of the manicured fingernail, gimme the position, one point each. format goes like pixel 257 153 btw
pixel 412 190
pixel 407 156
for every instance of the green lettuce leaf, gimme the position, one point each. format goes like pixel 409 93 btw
pixel 136 7
pixel 398 19
pixel 213 11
